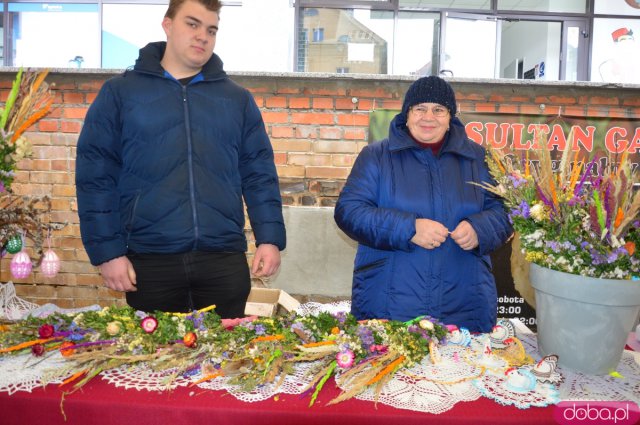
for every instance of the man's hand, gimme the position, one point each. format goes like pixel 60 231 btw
pixel 429 234
pixel 266 260
pixel 118 274
pixel 465 236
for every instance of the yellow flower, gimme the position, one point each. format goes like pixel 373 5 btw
pixel 537 212
pixel 114 328
pixel 534 256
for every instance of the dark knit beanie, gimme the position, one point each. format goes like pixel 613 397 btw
pixel 430 89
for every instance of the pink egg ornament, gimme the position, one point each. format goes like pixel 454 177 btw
pixel 21 265
pixel 50 265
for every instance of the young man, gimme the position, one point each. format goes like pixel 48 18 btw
pixel 167 154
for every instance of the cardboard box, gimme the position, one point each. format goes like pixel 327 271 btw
pixel 265 302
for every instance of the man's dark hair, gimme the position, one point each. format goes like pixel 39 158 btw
pixel 174 5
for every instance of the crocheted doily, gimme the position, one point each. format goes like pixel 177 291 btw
pixel 142 377
pixel 26 372
pixel 428 387
pixel 13 307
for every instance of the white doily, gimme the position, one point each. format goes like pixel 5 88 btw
pixel 25 372
pixel 579 386
pixel 295 383
pixel 142 377
pixel 13 307
pixel 430 388
pixel 495 386
pixel 312 308
pixel 48 309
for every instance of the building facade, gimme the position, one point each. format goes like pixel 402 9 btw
pixel 571 40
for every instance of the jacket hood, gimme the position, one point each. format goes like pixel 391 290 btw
pixel 151 55
pixel 456 139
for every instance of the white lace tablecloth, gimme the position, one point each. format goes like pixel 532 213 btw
pixel 426 387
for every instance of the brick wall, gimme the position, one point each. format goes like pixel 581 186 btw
pixel 317 125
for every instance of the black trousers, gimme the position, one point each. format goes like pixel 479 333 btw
pixel 191 281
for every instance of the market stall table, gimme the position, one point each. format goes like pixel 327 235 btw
pixel 100 403
pixel 458 383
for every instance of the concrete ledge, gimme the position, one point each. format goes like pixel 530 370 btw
pixel 319 256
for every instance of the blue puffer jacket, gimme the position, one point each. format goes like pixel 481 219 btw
pixel 163 168
pixel 392 183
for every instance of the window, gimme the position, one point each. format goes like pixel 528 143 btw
pixel 126 28
pixel 464 38
pixel 416 44
pixel 350 39
pixel 449 37
pixel 318 35
pixel 47 35
pixel 271 50
pixel 538 53
pixel 620 7
pixel 564 6
pixel 470 47
pixel 446 4
pixel 615 51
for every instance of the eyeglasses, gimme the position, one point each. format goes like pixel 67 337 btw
pixel 437 111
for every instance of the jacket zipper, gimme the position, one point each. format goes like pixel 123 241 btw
pixel 192 195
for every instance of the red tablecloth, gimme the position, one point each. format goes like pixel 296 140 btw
pixel 102 403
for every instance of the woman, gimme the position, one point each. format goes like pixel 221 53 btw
pixel 424 230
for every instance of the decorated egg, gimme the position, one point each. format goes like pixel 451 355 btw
pixel 21 265
pixel 50 265
pixel 14 244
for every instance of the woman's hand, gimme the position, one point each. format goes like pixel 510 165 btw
pixel 429 234
pixel 465 236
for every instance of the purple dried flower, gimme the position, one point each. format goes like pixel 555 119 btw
pixel 554 246
pixel 521 210
pixel 366 335
pixel 341 316
pixel 516 181
pixel 587 173
pixel 543 198
pixel 608 203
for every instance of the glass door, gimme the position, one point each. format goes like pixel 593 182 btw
pixel 521 47
pixel 530 49
pixel 469 46
pixel 575 38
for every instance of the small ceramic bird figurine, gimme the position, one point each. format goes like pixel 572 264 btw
pixel 545 371
pixel 459 336
pixel 514 353
pixel 503 330
pixel 545 367
pixel 486 347
pixel 520 380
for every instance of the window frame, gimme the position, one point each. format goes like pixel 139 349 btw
pixel 585 21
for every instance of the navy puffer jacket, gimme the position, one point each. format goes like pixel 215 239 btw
pixel 394 182
pixel 163 168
